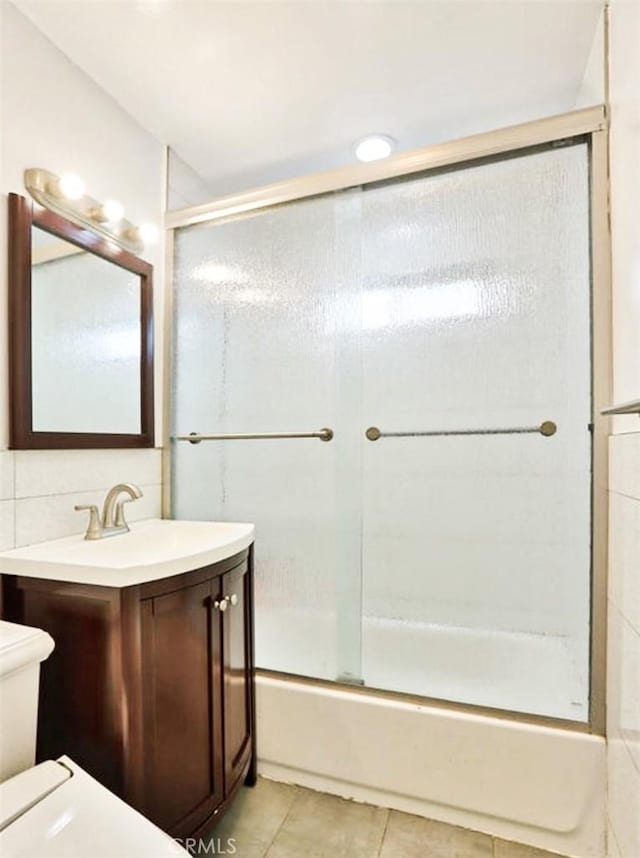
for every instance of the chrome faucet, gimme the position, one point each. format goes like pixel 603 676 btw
pixel 113 520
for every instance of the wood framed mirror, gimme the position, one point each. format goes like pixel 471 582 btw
pixel 80 336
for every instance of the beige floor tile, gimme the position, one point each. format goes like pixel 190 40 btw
pixel 275 820
pixel 253 819
pixel 506 849
pixel 324 826
pixel 413 837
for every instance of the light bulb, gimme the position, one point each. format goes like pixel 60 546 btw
pixel 71 186
pixel 148 233
pixel 112 211
pixel 374 147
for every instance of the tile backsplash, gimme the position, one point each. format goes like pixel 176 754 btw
pixel 39 488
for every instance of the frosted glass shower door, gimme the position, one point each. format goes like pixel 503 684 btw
pixel 476 549
pixel 454 567
pixel 267 313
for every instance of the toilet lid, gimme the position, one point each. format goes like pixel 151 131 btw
pixel 67 813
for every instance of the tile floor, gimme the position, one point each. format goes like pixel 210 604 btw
pixel 275 820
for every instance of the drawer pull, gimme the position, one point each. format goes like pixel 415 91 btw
pixel 233 599
pixel 222 605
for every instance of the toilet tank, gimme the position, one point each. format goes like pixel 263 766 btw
pixel 22 648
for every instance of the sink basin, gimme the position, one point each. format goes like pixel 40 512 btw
pixel 152 549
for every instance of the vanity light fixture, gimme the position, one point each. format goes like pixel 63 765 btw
pixel 111 211
pixel 65 195
pixel 374 147
pixel 148 232
pixel 68 185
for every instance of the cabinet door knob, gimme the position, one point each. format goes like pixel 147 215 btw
pixel 233 599
pixel 222 605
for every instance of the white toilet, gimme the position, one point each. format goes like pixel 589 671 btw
pixel 55 809
pixel 21 651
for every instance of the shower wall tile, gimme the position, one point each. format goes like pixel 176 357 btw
pixel 624 799
pixel 624 556
pixel 623 710
pixel 624 573
pixel 623 656
pixel 613 850
pixel 624 464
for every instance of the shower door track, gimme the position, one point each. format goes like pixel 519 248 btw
pixel 590 124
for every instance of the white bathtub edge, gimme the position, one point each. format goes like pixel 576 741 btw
pixel 518 781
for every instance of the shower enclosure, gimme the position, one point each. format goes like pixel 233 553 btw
pixel 442 323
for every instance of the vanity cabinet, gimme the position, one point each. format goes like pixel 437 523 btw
pixel 150 687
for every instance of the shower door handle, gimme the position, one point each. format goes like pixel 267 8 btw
pixel 546 428
pixel 324 434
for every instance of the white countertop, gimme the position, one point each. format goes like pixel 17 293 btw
pixel 153 549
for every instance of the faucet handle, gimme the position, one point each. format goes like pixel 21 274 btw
pixel 94 531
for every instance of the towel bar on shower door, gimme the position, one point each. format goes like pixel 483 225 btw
pixel 547 428
pixel 195 437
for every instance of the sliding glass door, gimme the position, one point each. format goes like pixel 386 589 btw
pixel 476 547
pixel 267 340
pixel 448 314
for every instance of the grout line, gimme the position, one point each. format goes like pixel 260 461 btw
pixel 15 505
pixel 384 832
pixel 14 466
pixel 623 616
pixel 296 790
pixel 624 742
pixel 624 495
pixel 611 831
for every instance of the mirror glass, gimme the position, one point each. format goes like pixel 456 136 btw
pixel 86 339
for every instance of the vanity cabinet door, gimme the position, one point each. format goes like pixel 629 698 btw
pixel 237 674
pixel 182 703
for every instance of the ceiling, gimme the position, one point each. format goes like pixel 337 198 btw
pixel 252 92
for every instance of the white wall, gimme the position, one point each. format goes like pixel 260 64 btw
pixel 52 115
pixel 623 704
pixel 184 186
pixel 592 88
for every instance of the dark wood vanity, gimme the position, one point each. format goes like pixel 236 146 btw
pixel 150 687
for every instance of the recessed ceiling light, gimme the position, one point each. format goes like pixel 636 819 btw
pixel 373 147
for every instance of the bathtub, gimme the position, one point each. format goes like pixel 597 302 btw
pixel 536 784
